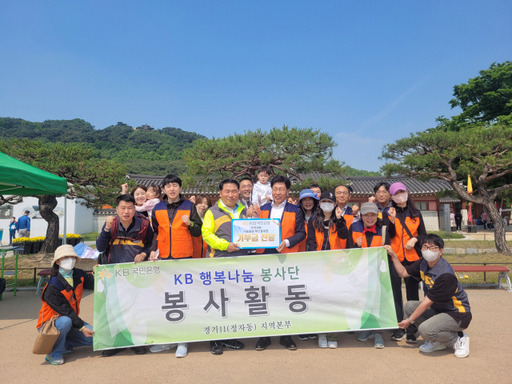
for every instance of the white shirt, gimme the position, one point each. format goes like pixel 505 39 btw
pixel 277 213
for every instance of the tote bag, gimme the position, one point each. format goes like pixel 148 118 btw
pixel 46 337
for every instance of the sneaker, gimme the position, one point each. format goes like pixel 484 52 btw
pixel 57 361
pixel 333 344
pixel 398 335
pixel 233 344
pixel 313 336
pixel 139 350
pixel 379 341
pixel 411 339
pixel 322 341
pixel 461 347
pixel 303 337
pixel 365 335
pixel 288 343
pixel 161 348
pixel 111 352
pixel 181 350
pixel 431 346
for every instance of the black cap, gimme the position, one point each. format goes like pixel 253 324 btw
pixel 327 196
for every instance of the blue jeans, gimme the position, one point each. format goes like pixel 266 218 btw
pixel 69 337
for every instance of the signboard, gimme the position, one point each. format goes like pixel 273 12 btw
pixel 256 233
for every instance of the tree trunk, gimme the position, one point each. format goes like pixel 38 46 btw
pixel 499 229
pixel 46 206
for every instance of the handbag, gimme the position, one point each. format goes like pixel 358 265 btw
pixel 46 337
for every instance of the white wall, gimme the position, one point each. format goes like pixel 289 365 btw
pixel 79 218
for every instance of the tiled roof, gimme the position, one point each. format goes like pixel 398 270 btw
pixel 361 185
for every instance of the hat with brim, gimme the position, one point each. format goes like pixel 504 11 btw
pixel 63 251
pixel 327 196
pixel 369 207
pixel 307 193
pixel 395 187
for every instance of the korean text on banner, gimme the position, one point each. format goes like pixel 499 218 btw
pixel 242 297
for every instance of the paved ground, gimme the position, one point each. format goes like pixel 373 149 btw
pixel 353 362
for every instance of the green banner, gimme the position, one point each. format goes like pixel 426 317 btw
pixel 242 297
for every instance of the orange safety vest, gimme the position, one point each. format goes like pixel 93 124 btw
pixel 200 247
pixel 287 226
pixel 402 237
pixel 334 241
pixel 174 240
pixel 46 312
pixel 376 239
pixel 302 244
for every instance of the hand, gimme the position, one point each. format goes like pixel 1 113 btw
pixel 124 188
pixel 355 210
pixel 392 214
pixel 359 241
pixel 140 257
pixel 282 246
pixel 372 199
pixel 390 250
pixel 255 210
pixel 232 247
pixel 87 332
pixel 338 212
pixel 411 243
pixel 153 256
pixel 186 219
pixel 404 324
pixel 108 222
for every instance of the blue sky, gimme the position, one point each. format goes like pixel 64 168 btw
pixel 367 73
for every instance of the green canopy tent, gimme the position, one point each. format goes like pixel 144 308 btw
pixel 21 179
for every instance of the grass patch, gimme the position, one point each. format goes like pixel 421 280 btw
pixel 448 235
pixel 92 236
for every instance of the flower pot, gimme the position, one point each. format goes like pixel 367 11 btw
pixel 28 247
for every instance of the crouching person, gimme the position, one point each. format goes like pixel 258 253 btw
pixel 445 312
pixel 62 296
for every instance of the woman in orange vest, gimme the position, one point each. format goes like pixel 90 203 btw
pixel 61 297
pixel 408 226
pixel 325 229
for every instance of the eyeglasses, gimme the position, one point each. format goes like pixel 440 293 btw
pixel 431 248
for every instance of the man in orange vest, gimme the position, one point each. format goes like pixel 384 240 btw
pixel 293 232
pixel 175 221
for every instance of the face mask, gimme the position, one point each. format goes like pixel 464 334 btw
pixel 400 198
pixel 429 255
pixel 68 263
pixel 327 207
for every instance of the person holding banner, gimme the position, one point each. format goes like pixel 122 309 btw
pixel 176 223
pixel 350 214
pixel 407 225
pixel 292 233
pixel 126 238
pixel 445 312
pixel 369 232
pixel 216 233
pixel 327 231
pixel 61 297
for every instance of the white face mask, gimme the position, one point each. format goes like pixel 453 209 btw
pixel 68 263
pixel 429 255
pixel 327 207
pixel 400 198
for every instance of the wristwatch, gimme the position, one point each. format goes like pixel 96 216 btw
pixel 411 321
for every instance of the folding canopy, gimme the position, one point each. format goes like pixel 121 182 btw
pixel 19 178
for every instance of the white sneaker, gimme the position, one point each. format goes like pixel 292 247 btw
pixel 322 340
pixel 162 347
pixel 431 346
pixel 461 347
pixel 333 344
pixel 182 350
pixel 365 335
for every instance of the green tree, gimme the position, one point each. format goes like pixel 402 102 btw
pixel 290 151
pixel 90 178
pixel 477 142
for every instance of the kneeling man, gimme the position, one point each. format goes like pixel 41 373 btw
pixel 445 311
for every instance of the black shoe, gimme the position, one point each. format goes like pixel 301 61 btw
pixel 287 342
pixel 233 344
pixel 398 335
pixel 411 339
pixel 216 347
pixel 263 343
pixel 139 350
pixel 111 352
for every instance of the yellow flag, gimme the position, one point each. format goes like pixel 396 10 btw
pixel 470 186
